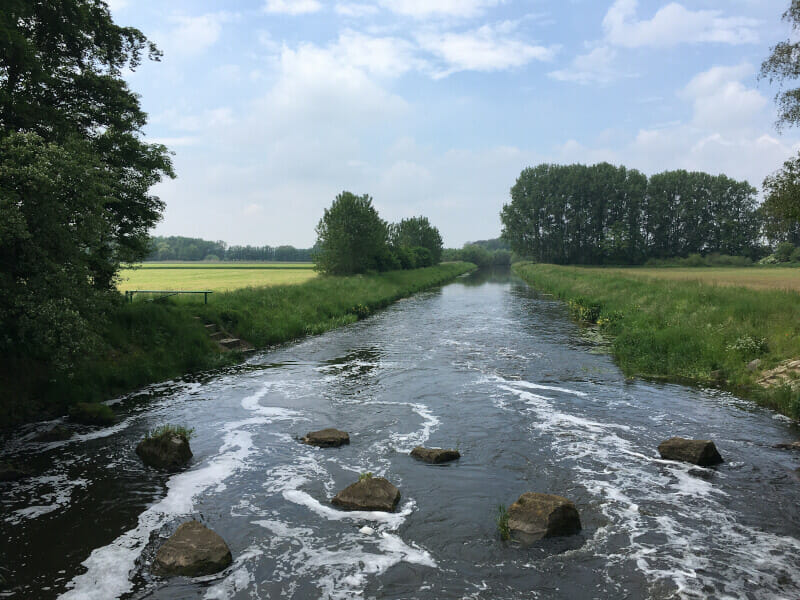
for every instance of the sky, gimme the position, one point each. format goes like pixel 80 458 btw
pixel 434 107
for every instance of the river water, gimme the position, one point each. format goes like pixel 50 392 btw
pixel 484 364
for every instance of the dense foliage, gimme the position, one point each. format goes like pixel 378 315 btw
pixel 352 238
pixel 417 232
pixel 74 175
pixel 479 255
pixel 781 210
pixel 195 249
pixel 602 214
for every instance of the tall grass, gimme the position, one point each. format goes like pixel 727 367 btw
pixel 148 342
pixel 684 331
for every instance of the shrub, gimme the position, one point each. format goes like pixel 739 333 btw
pixel 422 257
pixel 406 258
pixel 584 310
pixel 360 311
pixel 748 346
pixel 364 476
pixel 795 258
pixel 92 413
pixel 783 253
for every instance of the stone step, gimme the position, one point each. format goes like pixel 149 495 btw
pixel 230 343
pixel 218 335
pixel 212 328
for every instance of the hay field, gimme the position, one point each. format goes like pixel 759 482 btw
pixel 217 277
pixel 758 278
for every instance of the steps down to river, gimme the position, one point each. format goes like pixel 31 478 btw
pixel 225 340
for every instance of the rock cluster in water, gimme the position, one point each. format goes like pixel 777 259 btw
pixel 59 433
pixel 327 438
pixel 699 452
pixel 193 550
pixel 435 455
pixel 535 516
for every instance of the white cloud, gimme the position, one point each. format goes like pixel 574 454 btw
pixel 728 132
pixel 116 5
pixel 292 7
pixel 674 24
pixel 721 101
pixel 421 9
pixel 192 35
pixel 384 56
pixel 356 10
pixel 488 48
pixel 596 66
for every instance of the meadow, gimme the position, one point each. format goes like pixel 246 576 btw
pixel 668 325
pixel 757 278
pixel 217 277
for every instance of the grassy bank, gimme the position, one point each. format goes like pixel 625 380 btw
pixel 147 342
pixel 683 330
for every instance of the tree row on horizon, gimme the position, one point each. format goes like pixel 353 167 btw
pixel 606 214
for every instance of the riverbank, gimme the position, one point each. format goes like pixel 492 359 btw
pixel 148 342
pixel 685 331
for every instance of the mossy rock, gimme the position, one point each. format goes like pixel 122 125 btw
pixel 166 451
pixel 192 551
pixel 59 433
pixel 92 413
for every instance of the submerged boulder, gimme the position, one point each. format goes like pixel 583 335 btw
pixel 168 450
pixel 9 472
pixel 193 550
pixel 535 516
pixel 698 452
pixel 435 455
pixel 59 433
pixel 92 413
pixel 327 438
pixel 369 493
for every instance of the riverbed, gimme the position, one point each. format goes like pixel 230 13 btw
pixel 486 365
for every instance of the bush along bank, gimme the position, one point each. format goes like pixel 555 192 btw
pixel 741 340
pixel 148 342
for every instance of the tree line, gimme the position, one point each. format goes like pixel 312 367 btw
pixel 197 249
pixel 352 238
pixel 604 214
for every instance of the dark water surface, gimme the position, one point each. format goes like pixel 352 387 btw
pixel 483 364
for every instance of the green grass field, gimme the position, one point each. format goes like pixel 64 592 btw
pixel 670 324
pixel 217 277
pixel 758 278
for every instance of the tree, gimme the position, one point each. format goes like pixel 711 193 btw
pixel 351 236
pixel 783 64
pixel 75 174
pixel 417 232
pixel 782 199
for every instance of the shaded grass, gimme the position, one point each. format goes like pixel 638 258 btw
pixel 148 342
pixel 684 330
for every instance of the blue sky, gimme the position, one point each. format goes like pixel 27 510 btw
pixel 433 107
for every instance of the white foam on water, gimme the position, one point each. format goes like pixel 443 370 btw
pixel 109 568
pixel 392 520
pixel 706 547
pixel 238 580
pixel 552 388
pixel 58 495
pixel 340 573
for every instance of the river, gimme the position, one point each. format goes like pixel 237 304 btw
pixel 484 364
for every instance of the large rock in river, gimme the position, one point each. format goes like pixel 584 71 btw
pixel 327 438
pixel 435 455
pixel 59 433
pixel 166 451
pixel 537 516
pixel 193 550
pixel 370 493
pixel 698 452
